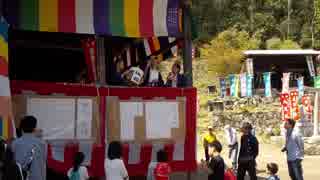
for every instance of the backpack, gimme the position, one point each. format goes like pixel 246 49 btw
pixel 75 175
pixel 27 165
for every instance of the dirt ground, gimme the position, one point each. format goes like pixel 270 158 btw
pixel 272 153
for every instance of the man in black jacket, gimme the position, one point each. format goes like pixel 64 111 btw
pixel 249 151
pixel 175 79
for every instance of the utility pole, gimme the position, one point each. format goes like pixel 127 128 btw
pixel 187 52
pixel 252 5
pixel 289 19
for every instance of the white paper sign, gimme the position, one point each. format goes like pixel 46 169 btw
pixel 161 117
pixel 4 86
pixel 84 118
pixel 173 114
pixel 128 112
pixel 56 116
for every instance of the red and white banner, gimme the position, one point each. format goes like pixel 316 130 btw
pixel 295 111
pixel 285 106
pixel 307 107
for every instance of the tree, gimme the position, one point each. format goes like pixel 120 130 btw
pixel 226 51
pixel 277 44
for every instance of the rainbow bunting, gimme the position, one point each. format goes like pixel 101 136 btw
pixel 154 45
pixel 6 125
pixel 125 18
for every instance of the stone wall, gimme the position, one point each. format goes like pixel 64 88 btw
pixel 263 113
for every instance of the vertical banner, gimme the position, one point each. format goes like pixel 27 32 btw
pixel 223 87
pixel 7 130
pixel 237 85
pixel 307 107
pixel 249 63
pixel 295 111
pixel 232 80
pixel 267 84
pixel 285 106
pixel 243 84
pixel 249 85
pixel 285 82
pixel 318 65
pixel 300 82
pixel 90 52
pixel 316 81
pixel 310 66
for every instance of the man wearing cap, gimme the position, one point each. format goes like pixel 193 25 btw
pixel 231 136
pixel 209 138
pixel 249 150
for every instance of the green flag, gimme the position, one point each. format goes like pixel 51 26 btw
pixel 317 82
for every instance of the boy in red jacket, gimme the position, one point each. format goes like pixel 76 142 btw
pixel 162 170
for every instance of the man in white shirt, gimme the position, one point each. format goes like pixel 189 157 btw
pixel 231 136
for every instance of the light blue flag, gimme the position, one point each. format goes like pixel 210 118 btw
pixel 249 85
pixel 300 83
pixel 267 84
pixel 223 87
pixel 232 79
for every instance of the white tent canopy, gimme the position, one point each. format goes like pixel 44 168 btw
pixel 280 52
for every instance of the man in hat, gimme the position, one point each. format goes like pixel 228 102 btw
pixel 231 136
pixel 208 139
pixel 249 150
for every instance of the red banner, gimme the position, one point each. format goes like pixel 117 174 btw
pixel 295 111
pixel 90 53
pixel 285 106
pixel 307 107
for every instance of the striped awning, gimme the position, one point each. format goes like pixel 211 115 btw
pixel 124 18
pixel 6 124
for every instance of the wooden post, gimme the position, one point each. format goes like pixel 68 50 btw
pixel 187 51
pixel 101 61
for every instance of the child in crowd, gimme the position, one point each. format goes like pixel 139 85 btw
pixel 113 165
pixel 272 169
pixel 216 162
pixel 161 170
pixel 78 172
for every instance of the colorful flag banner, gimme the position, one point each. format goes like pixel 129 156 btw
pixel 243 84
pixel 249 85
pixel 267 84
pixel 7 129
pixel 125 18
pixel 316 81
pixel 237 88
pixel 90 52
pixel 233 81
pixel 285 82
pixel 249 63
pixel 155 44
pixel 300 82
pixel 285 106
pixel 295 111
pixel 310 66
pixel 223 87
pixel 307 107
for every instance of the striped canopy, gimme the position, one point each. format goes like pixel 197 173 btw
pixel 125 18
pixel 6 123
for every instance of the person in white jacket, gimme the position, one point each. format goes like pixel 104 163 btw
pixel 231 136
pixel 113 164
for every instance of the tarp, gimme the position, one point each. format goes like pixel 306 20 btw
pixel 6 124
pixel 124 18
